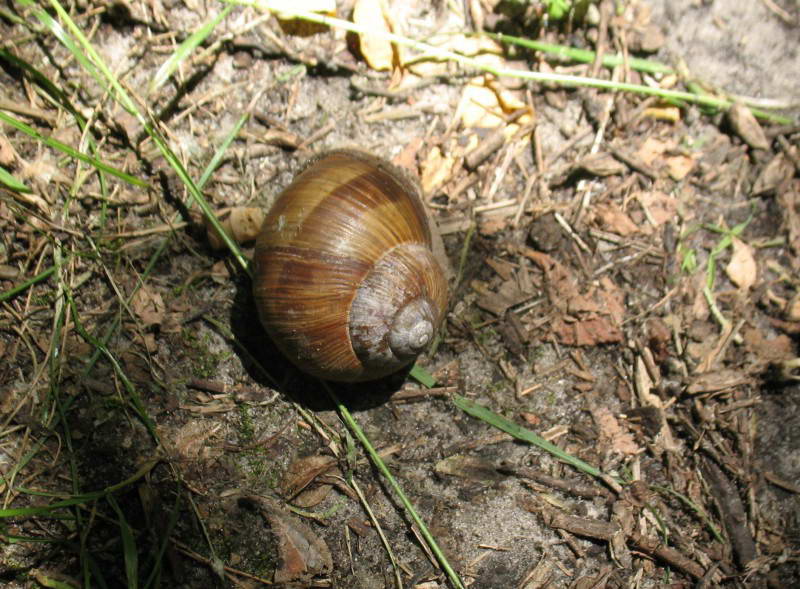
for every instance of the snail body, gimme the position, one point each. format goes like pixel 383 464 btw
pixel 345 280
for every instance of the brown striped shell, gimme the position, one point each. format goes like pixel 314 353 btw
pixel 345 280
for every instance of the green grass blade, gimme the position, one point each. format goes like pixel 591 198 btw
pixel 384 470
pixel 133 394
pixel 129 552
pixel 424 377
pixel 220 152
pixel 186 48
pixel 519 432
pixel 70 151
pixel 128 104
pixel 11 182
pixel 81 498
pixel 53 92
pixel 47 510
pixel 584 55
pixel 58 31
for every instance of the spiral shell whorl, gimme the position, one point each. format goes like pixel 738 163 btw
pixel 397 308
pixel 348 221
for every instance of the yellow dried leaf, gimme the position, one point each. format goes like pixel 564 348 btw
pixel 377 51
pixel 483 105
pixel 297 26
pixel 436 169
pixel 742 269
pixel 664 113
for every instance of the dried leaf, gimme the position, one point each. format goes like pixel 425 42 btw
pixel 679 166
pixel 746 126
pixel 742 269
pixel 601 164
pixel 7 153
pixel 148 306
pixel 484 103
pixel 303 471
pixel 377 51
pixel 774 350
pixel 469 467
pixel 621 441
pixel 303 554
pixel 613 299
pixel 651 150
pixel 588 332
pixel 312 497
pixel 436 170
pixel 189 442
pixel 616 220
pixel 775 173
pixel 660 206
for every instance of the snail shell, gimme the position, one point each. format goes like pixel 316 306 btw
pixel 345 279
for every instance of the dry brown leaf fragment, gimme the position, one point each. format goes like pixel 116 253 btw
pixel 312 497
pixel 679 166
pixel 303 471
pixel 587 332
pixel 7 153
pixel 148 305
pixel 484 104
pixel 772 350
pixel 436 170
pixel 189 442
pixel 613 299
pixel 44 170
pixel 778 171
pixel 469 467
pixel 746 126
pixel 303 554
pixel 615 220
pixel 490 225
pixel 651 150
pixel 376 49
pixel 619 440
pixel 601 164
pixel 742 268
pixel 660 206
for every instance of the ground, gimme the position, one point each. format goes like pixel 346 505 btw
pixel 624 283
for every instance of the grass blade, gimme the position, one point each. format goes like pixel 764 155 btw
pixel 11 182
pixel 526 435
pixel 353 426
pixel 184 49
pixel 584 55
pixel 128 546
pixel 70 151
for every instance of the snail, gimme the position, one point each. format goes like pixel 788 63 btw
pixel 344 275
